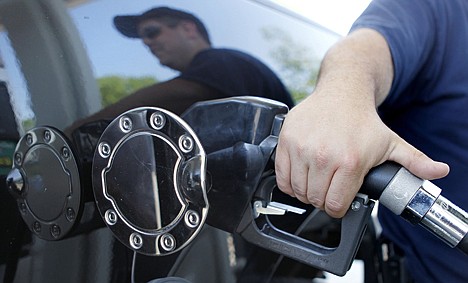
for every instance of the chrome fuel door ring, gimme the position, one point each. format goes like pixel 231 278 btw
pixel 149 171
pixel 45 182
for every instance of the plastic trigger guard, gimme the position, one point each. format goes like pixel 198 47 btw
pixel 257 229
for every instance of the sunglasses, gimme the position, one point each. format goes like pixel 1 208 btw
pixel 150 32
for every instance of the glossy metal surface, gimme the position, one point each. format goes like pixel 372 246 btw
pixel 447 221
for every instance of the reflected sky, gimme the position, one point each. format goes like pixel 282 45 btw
pixel 337 15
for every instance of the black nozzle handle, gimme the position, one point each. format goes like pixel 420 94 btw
pixel 263 233
pixel 378 179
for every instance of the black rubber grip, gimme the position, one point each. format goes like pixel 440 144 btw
pixel 378 179
pixel 463 245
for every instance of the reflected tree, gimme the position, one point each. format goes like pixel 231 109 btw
pixel 298 65
pixel 114 88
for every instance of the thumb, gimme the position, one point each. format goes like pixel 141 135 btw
pixel 417 162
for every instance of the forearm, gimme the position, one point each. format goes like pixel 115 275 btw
pixel 358 69
pixel 174 95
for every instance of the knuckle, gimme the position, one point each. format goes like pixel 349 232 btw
pixel 283 185
pixel 321 158
pixel 282 178
pixel 287 139
pixel 300 192
pixel 300 149
pixel 316 202
pixel 351 163
pixel 302 197
pixel 335 208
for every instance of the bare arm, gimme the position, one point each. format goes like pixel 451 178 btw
pixel 175 95
pixel 333 138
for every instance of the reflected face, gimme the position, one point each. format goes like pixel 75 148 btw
pixel 167 43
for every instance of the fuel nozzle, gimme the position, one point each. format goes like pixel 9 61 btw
pixel 419 202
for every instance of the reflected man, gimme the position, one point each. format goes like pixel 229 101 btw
pixel 181 42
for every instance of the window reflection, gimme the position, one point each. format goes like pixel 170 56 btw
pixel 16 90
pixel 251 26
pixel 77 51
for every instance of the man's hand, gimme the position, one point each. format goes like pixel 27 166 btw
pixel 325 149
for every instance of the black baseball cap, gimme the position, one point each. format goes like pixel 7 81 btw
pixel 128 24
